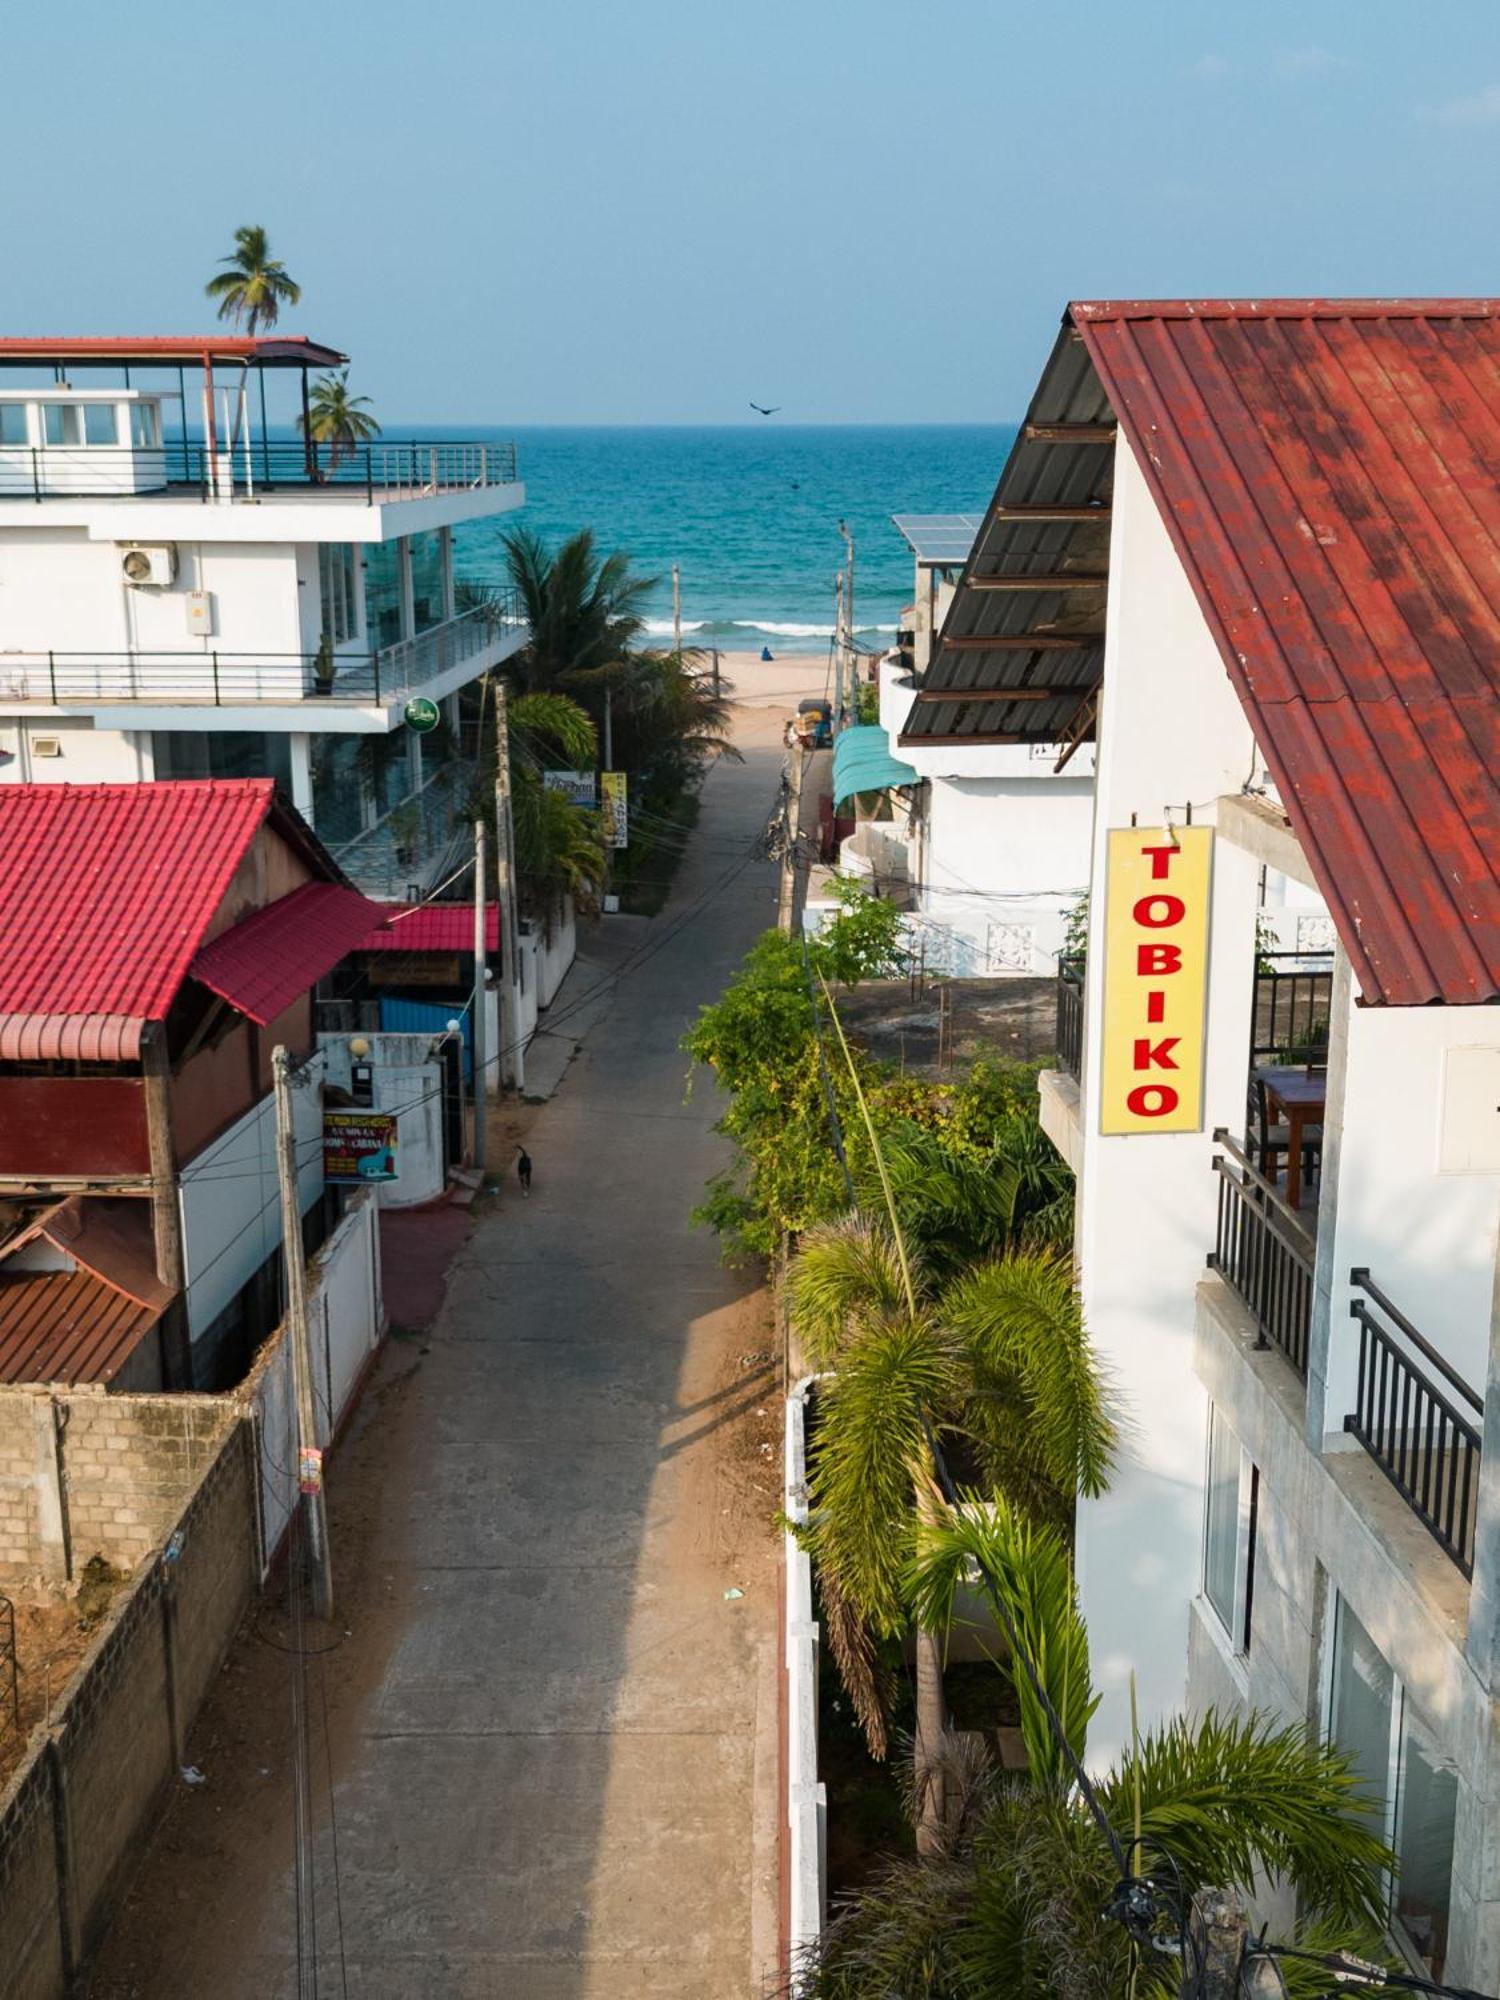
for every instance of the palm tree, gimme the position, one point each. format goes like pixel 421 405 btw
pixel 254 285
pixel 336 418
pixel 559 846
pixel 1012 1900
pixel 585 611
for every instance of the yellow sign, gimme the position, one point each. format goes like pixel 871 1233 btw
pixel 1155 978
pixel 613 810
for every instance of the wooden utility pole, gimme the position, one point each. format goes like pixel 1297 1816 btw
pixel 839 649
pixel 511 1065
pixel 166 1217
pixel 1219 1922
pixel 676 611
pixel 479 1025
pixel 853 666
pixel 309 1452
pixel 786 908
pixel 716 673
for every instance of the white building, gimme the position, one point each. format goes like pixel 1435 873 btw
pixel 183 594
pixel 1293 693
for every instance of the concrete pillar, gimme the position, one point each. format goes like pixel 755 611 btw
pixel 51 1553
pixel 300 748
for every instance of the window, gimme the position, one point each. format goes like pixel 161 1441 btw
pixel 1402 1770
pixel 12 423
pixel 101 423
pixel 231 753
pixel 384 618
pixel 429 589
pixel 62 423
pixel 1231 1507
pixel 145 426
pixel 336 586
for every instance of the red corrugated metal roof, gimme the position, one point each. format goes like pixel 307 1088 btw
pixel 111 1238
pixel 1329 471
pixel 66 1326
pixel 273 350
pixel 263 964
pixel 105 894
pixel 431 927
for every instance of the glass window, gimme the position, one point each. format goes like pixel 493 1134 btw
pixel 145 426
pixel 12 423
pixel 1221 1541
pixel 338 788
pixel 384 621
pixel 236 753
pixel 336 585
pixel 391 760
pixel 1363 1701
pixel 429 593
pixel 62 423
pixel 1424 1842
pixel 101 423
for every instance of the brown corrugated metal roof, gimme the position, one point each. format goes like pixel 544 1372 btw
pixel 1330 474
pixel 83 1324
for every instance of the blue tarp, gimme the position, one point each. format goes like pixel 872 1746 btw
pixel 862 762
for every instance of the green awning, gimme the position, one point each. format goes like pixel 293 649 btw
pixel 862 762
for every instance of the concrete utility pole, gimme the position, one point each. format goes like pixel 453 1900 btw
pixel 166 1217
pixel 786 907
pixel 849 617
pixel 309 1453
pixel 676 611
pixel 512 1061
pixel 1219 1920
pixel 840 649
pixel 480 1009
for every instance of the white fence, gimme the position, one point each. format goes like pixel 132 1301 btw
pixel 806 1802
pixel 345 1319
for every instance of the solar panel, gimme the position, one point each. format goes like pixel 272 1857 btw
pixel 938 538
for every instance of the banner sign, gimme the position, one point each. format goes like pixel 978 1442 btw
pixel 1155 978
pixel 579 788
pixel 613 809
pixel 359 1146
pixel 422 714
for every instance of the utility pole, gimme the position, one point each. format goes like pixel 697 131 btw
pixel 838 649
pixel 849 617
pixel 676 611
pixel 512 1060
pixel 786 906
pixel 609 730
pixel 166 1217
pixel 716 673
pixel 1219 1921
pixel 309 1453
pixel 480 1008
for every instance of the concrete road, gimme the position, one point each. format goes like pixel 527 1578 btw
pixel 553 1778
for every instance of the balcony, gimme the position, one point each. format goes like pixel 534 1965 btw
pixel 1265 1252
pixel 185 469
pixel 238 680
pixel 1418 1419
pixel 1070 1014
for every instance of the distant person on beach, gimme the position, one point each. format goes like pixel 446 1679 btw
pixel 523 1169
pixel 765 652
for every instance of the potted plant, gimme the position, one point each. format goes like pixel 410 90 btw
pixel 406 832
pixel 324 665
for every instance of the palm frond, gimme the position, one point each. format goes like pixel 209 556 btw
pixel 844 1280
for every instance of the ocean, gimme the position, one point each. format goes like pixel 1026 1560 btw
pixel 750 515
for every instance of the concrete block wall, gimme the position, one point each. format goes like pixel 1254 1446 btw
pixel 27 1461
pixel 31 1944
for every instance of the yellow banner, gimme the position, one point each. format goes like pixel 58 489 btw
pixel 1155 978
pixel 613 810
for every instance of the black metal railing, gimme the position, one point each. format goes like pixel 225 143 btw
pixel 228 680
pixel 1425 1438
pixel 1262 1249
pixel 1293 1001
pixel 381 469
pixel 1070 1014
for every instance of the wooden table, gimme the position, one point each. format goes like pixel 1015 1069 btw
pixel 1298 1098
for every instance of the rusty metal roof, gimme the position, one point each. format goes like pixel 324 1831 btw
pixel 1329 471
pixel 82 1324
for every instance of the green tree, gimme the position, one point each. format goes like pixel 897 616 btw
pixel 1013 1898
pixel 253 285
pixel 336 418
pixel 586 613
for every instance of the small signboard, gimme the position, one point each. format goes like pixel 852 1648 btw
pixel 359 1146
pixel 579 788
pixel 422 714
pixel 614 811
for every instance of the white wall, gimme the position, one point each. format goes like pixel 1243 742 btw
pixel 1171 733
pixel 87 755
pixel 555 953
pixel 408 1081
pixel 1003 861
pixel 230 1203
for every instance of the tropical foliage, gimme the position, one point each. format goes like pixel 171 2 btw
pixel 336 418
pixel 253 286
pixel 559 847
pixel 1014 1897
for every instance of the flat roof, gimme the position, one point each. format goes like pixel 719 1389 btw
pixel 122 350
pixel 938 541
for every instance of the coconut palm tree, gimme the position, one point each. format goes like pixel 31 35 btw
pixel 586 611
pixel 253 286
pixel 1013 1899
pixel 336 418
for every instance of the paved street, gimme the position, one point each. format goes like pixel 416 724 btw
pixel 544 1722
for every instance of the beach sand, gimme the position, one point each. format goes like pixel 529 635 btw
pixel 778 683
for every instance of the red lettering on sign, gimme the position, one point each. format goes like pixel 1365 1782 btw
pixel 1156 1008
pixel 1151 1100
pixel 1154 1055
pixel 1159 912
pixel 1161 861
pixel 1152 961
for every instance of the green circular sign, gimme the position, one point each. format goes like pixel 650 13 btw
pixel 422 714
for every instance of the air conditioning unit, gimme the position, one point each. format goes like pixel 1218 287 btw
pixel 149 565
pixel 46 746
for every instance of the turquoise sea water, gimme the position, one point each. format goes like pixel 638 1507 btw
pixel 750 515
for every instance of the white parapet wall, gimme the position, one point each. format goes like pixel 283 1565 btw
pixel 806 1803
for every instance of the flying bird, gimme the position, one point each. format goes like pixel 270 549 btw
pixel 761 410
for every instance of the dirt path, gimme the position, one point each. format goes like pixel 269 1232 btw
pixel 540 1704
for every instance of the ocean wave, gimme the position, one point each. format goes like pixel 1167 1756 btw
pixel 787 630
pixel 659 627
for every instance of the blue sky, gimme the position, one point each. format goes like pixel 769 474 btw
pixel 652 212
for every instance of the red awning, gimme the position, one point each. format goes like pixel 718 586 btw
pixel 431 927
pixel 271 959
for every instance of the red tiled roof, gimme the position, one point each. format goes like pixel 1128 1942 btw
pixel 261 966
pixel 1329 472
pixel 431 927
